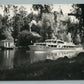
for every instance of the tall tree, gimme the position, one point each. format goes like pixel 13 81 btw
pixel 42 9
pixel 5 31
pixel 18 20
pixel 78 12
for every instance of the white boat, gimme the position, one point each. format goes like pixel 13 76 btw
pixel 54 44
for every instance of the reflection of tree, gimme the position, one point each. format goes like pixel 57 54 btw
pixel 20 57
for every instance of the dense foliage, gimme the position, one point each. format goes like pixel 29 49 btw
pixel 46 23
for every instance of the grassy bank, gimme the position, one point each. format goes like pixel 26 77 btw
pixel 61 69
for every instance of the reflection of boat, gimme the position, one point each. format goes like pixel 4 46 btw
pixel 36 56
pixel 54 44
pixel 58 54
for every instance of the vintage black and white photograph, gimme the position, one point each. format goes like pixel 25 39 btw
pixel 42 42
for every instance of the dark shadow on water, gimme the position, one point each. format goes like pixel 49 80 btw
pixel 21 57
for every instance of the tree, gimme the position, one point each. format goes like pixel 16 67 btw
pixel 22 11
pixel 81 21
pixel 78 12
pixel 15 9
pixel 5 34
pixel 47 26
pixel 42 9
pixel 18 20
pixel 26 38
pixel 5 31
pixel 35 28
pixel 61 26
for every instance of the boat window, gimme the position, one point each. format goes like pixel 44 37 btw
pixel 68 46
pixel 49 45
pixel 60 42
pixel 52 45
pixel 47 41
pixel 54 41
pixel 50 41
pixel 65 46
pixel 37 44
pixel 44 44
pixel 55 45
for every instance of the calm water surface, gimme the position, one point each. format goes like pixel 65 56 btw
pixel 14 58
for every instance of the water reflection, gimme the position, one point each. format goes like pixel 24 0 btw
pixel 14 58
pixel 43 55
pixel 6 59
pixel 21 57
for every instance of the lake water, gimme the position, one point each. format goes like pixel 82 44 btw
pixel 17 57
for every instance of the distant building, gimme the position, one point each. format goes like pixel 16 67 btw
pixel 7 44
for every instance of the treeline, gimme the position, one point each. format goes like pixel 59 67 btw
pixel 26 28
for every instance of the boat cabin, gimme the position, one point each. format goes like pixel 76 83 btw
pixel 41 44
pixel 54 41
pixel 50 43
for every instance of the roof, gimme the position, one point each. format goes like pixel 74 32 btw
pixel 54 40
pixel 6 41
pixel 69 44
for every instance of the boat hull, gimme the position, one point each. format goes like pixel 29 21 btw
pixel 44 48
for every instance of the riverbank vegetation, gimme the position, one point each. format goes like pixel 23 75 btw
pixel 25 28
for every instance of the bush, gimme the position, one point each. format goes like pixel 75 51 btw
pixel 26 38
